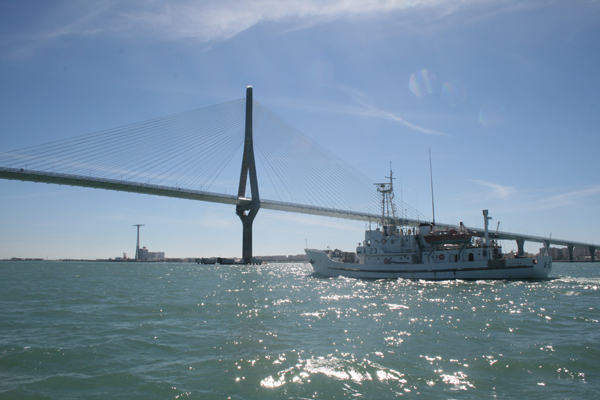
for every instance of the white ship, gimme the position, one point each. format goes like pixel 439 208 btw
pixel 393 251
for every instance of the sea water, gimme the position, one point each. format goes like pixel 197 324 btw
pixel 98 330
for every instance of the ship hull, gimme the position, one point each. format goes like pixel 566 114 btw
pixel 512 269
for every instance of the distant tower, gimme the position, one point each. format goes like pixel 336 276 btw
pixel 137 246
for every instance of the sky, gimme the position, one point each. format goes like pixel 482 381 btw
pixel 504 93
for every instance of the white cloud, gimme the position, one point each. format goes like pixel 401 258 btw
pixel 562 200
pixel 220 20
pixel 371 110
pixel 568 199
pixel 497 189
pixel 388 115
pixel 364 107
pixel 212 20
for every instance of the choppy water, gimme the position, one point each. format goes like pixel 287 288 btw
pixel 167 331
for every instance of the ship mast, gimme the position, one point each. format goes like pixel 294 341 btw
pixel 388 211
pixel 431 178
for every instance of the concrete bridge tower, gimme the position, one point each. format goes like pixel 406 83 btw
pixel 249 208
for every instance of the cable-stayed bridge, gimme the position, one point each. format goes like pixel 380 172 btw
pixel 192 155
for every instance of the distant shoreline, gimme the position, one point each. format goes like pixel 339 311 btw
pixel 265 259
pixel 279 259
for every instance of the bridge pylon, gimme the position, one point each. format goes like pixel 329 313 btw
pixel 249 208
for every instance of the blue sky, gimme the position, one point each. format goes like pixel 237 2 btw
pixel 505 93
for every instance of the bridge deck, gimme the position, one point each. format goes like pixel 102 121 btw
pixel 181 193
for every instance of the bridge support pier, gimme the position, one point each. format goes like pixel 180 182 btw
pixel 570 248
pixel 592 253
pixel 520 250
pixel 249 209
pixel 247 216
